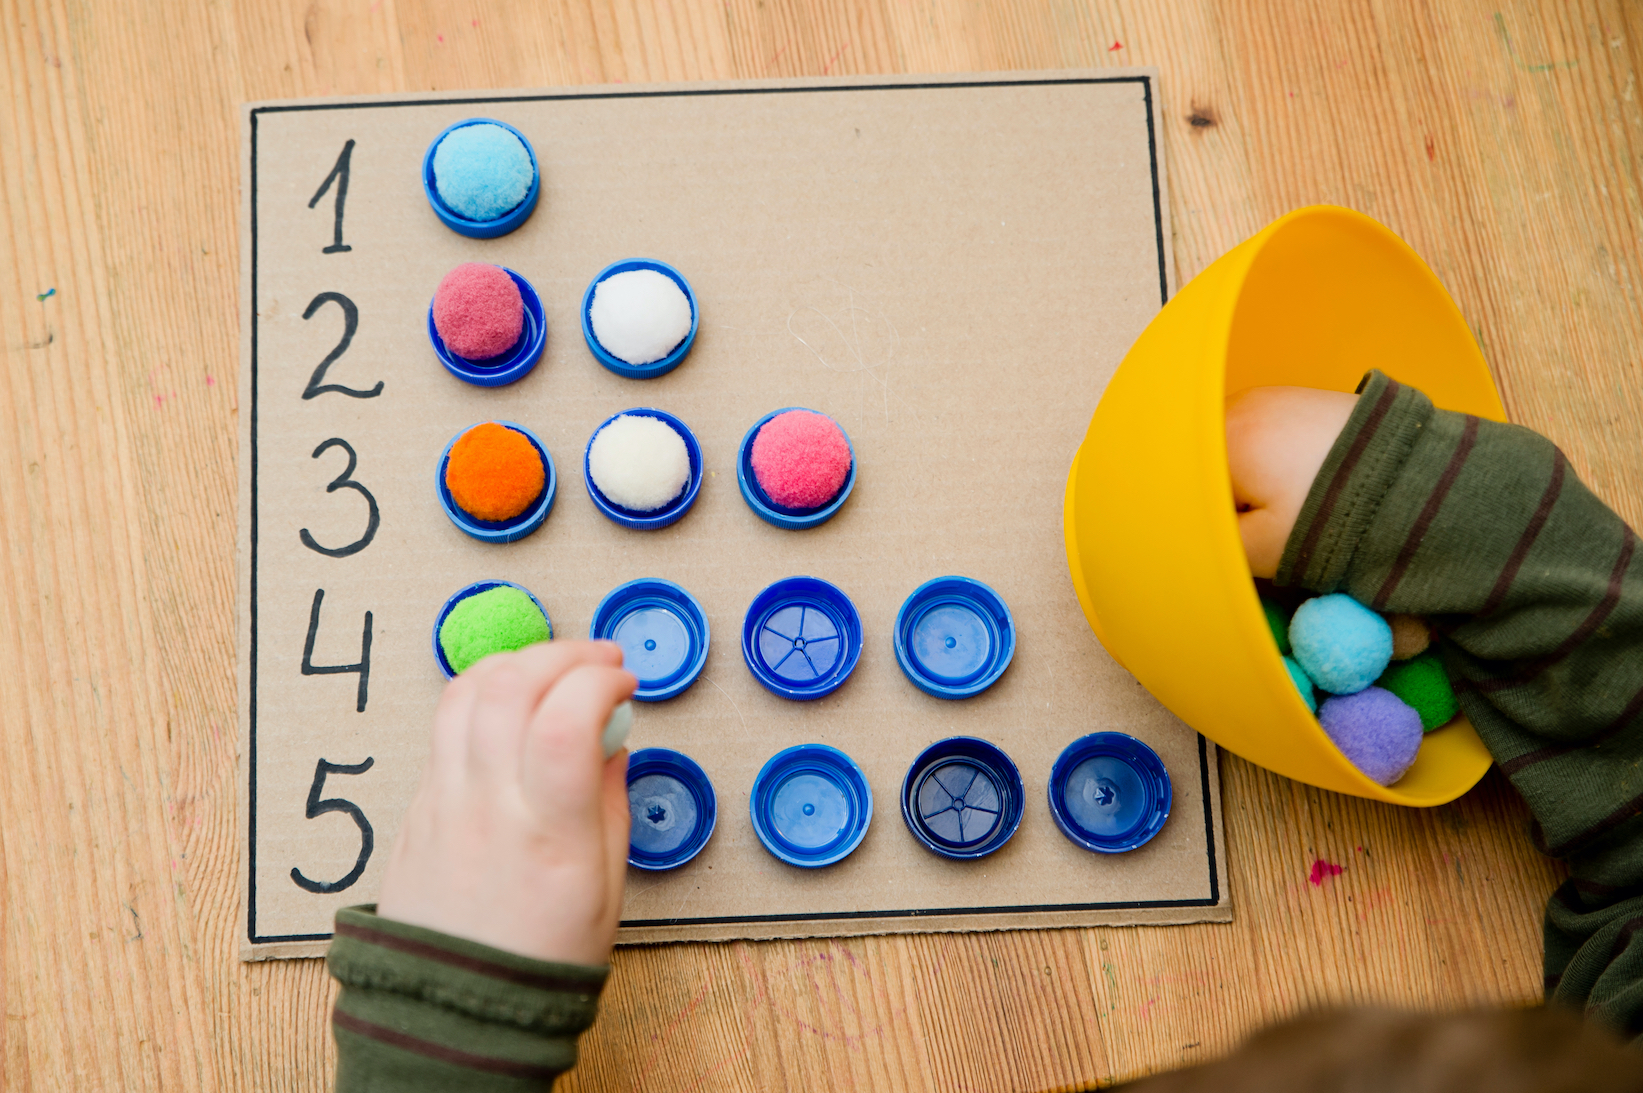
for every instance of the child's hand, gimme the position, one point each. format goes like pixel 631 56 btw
pixel 1277 439
pixel 518 835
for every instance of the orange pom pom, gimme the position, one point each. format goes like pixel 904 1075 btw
pixel 494 473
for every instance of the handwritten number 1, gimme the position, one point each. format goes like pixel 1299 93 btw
pixel 339 175
pixel 345 480
pixel 309 668
pixel 350 323
pixel 318 806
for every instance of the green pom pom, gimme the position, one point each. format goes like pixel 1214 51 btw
pixel 1423 684
pixel 1277 619
pixel 497 620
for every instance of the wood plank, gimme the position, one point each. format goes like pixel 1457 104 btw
pixel 1502 141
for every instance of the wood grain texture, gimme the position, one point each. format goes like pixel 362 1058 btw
pixel 1502 140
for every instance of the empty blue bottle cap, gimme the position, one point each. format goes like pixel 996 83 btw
pixel 954 637
pixel 1109 792
pixel 780 515
pixel 473 590
pixel 668 513
pixel 616 364
pixel 801 638
pixel 500 531
pixel 662 631
pixel 673 807
pixel 511 365
pixel 962 797
pixel 480 229
pixel 810 805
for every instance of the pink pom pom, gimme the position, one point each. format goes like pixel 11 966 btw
pixel 801 459
pixel 478 311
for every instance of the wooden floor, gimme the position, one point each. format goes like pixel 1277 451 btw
pixel 1502 140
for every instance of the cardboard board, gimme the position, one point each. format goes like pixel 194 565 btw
pixel 950 267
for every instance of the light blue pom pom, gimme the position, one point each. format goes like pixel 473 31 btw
pixel 1342 644
pixel 482 171
pixel 1303 683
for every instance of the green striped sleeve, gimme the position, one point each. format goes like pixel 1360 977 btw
pixel 420 1010
pixel 1535 590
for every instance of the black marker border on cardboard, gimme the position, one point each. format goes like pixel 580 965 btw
pixel 1146 82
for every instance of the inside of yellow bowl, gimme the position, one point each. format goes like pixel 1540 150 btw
pixel 1378 306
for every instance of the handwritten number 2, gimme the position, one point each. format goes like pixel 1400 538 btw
pixel 345 480
pixel 318 806
pixel 309 668
pixel 350 323
pixel 339 174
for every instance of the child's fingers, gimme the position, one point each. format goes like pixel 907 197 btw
pixel 562 753
pixel 617 820
pixel 453 717
pixel 508 687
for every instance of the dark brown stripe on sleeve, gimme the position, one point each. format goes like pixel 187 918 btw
pixel 1587 627
pixel 1602 827
pixel 1343 474
pixel 1540 755
pixel 1429 512
pixel 486 968
pixel 1508 572
pixel 1530 758
pixel 429 1049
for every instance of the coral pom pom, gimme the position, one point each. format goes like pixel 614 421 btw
pixel 1376 730
pixel 478 311
pixel 1342 644
pixel 801 459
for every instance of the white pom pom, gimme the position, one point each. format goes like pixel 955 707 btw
pixel 639 462
pixel 639 316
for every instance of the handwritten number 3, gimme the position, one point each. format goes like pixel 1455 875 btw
pixel 350 323
pixel 345 481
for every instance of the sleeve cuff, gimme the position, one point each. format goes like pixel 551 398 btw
pixel 1361 467
pixel 420 1010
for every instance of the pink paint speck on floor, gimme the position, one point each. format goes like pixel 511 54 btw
pixel 1322 870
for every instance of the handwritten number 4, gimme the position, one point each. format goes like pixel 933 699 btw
pixel 339 175
pixel 318 806
pixel 350 323
pixel 309 668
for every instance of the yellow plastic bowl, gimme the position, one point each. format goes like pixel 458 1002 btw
pixel 1317 299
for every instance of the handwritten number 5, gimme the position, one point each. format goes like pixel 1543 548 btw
pixel 318 806
pixel 345 481
pixel 350 323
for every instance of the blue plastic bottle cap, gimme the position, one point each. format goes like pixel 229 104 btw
pixel 801 638
pixel 954 637
pixel 481 229
pixel 511 365
pixel 1109 792
pixel 673 807
pixel 810 805
pixel 472 590
pixel 662 631
pixel 962 797
pixel 616 364
pixel 674 509
pixel 780 515
pixel 500 531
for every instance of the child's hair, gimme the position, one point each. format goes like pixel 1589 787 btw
pixel 1382 1051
